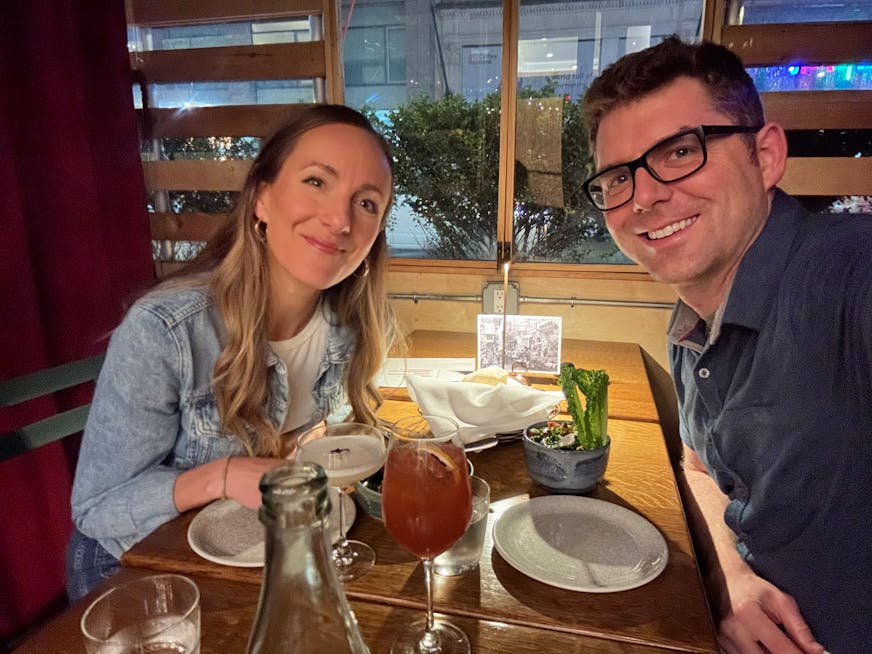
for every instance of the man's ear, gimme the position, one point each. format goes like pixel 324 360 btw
pixel 772 154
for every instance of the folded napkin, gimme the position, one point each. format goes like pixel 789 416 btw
pixel 482 409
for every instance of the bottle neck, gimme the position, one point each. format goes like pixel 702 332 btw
pixel 302 604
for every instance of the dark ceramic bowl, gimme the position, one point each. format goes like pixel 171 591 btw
pixel 571 472
pixel 367 493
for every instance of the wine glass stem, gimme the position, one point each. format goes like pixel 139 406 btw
pixel 429 640
pixel 342 543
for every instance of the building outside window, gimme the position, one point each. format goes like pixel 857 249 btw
pixel 444 121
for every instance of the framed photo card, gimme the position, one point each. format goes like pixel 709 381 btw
pixel 532 342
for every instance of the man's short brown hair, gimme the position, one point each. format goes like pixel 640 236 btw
pixel 638 74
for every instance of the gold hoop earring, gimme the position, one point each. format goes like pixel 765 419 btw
pixel 365 272
pixel 260 230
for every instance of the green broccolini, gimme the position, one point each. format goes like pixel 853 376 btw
pixel 591 422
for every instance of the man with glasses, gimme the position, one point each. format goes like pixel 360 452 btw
pixel 770 343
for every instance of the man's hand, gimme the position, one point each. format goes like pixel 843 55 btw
pixel 754 616
pixel 758 617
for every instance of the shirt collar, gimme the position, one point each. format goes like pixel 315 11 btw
pixel 755 285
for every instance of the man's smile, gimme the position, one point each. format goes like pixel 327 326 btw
pixel 668 230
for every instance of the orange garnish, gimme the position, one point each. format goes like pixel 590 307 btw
pixel 440 454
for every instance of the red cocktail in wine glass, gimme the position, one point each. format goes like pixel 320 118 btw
pixel 426 503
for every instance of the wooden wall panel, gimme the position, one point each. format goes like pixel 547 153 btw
pixel 545 270
pixel 186 12
pixel 195 175
pixel 632 324
pixel 186 226
pixel 240 120
pixel 828 176
pixel 278 61
pixel 805 43
pixel 819 109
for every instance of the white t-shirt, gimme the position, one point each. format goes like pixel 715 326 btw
pixel 302 356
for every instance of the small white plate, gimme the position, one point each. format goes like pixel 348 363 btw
pixel 482 443
pixel 579 543
pixel 228 533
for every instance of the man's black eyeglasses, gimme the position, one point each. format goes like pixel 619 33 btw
pixel 674 158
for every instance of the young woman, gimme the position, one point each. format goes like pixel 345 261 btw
pixel 280 322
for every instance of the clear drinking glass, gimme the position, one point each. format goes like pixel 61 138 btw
pixel 158 613
pixel 426 503
pixel 348 452
pixel 464 555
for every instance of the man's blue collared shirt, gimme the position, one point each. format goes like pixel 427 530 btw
pixel 777 402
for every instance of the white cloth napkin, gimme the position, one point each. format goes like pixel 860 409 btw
pixel 482 409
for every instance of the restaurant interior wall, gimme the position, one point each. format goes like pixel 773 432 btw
pixel 645 326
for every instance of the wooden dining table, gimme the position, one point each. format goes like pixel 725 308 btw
pixel 499 607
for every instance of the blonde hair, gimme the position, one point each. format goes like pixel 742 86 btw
pixel 235 263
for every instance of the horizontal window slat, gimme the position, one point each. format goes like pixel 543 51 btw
pixel 779 44
pixel 188 175
pixel 186 226
pixel 423 267
pixel 190 12
pixel 819 109
pixel 588 271
pixel 237 120
pixel 563 271
pixel 828 176
pixel 275 61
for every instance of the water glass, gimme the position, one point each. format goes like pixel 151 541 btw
pixel 466 552
pixel 159 614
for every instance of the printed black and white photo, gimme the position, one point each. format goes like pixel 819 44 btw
pixel 532 342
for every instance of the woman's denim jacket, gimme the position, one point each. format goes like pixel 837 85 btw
pixel 154 414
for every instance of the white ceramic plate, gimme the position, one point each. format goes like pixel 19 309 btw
pixel 228 533
pixel 580 543
pixel 482 443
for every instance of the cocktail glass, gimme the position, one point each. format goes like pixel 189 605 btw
pixel 426 503
pixel 348 452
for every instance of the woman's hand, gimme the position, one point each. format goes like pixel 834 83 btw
pixel 242 480
pixel 237 477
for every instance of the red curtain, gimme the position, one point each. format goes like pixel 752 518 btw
pixel 74 247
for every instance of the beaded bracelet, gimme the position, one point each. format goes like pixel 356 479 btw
pixel 224 478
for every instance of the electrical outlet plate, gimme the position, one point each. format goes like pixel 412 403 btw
pixel 492 298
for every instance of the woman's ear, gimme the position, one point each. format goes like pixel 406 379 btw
pixel 261 212
pixel 772 154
